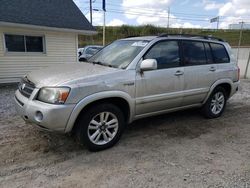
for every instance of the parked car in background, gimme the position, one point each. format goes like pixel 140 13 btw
pixel 127 80
pixel 80 51
pixel 88 51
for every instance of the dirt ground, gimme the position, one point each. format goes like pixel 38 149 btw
pixel 176 150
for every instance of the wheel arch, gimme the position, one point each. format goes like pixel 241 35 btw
pixel 227 84
pixel 119 98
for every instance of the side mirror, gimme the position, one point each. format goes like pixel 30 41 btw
pixel 148 64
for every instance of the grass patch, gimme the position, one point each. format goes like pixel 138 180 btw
pixel 114 33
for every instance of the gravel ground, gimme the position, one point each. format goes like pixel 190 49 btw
pixel 175 150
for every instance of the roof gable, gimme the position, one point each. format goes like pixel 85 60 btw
pixel 50 13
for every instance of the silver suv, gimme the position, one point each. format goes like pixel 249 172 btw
pixel 129 79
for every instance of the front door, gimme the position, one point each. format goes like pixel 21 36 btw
pixel 161 89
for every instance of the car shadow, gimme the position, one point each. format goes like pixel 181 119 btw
pixel 187 123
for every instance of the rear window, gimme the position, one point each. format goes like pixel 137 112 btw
pixel 219 53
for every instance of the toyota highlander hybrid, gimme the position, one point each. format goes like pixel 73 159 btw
pixel 127 80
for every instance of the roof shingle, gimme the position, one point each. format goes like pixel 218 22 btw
pixel 50 13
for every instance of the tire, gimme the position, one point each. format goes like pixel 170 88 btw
pixel 100 126
pixel 216 103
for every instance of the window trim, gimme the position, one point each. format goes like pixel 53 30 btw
pixel 6 52
pixel 229 60
pixel 179 50
pixel 208 43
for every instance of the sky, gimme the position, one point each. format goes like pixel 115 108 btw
pixel 182 13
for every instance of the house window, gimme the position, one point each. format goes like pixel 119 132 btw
pixel 23 43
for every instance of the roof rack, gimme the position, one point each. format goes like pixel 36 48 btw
pixel 209 37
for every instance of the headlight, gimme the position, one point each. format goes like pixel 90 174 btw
pixel 53 95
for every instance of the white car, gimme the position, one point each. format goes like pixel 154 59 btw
pixel 88 51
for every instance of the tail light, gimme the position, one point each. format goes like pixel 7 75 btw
pixel 238 76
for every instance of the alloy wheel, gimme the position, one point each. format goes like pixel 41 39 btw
pixel 103 128
pixel 217 103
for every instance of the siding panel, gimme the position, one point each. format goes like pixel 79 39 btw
pixel 60 48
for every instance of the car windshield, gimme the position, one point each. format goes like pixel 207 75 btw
pixel 92 50
pixel 119 54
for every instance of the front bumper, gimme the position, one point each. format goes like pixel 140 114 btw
pixel 46 116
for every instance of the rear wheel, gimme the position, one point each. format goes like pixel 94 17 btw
pixel 100 127
pixel 215 104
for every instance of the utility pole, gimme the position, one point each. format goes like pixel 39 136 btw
pixel 241 28
pixel 90 10
pixel 168 15
pixel 218 22
pixel 104 21
pixel 103 28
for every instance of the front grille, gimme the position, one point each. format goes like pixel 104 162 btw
pixel 26 87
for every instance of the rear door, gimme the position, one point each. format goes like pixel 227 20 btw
pixel 225 69
pixel 199 71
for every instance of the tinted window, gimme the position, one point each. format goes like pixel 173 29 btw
pixel 208 53
pixel 14 43
pixel 21 43
pixel 219 53
pixel 193 53
pixel 166 53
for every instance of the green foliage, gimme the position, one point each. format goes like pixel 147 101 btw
pixel 115 32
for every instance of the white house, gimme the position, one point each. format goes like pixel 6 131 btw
pixel 238 26
pixel 38 33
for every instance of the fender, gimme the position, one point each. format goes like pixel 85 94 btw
pixel 215 84
pixel 97 96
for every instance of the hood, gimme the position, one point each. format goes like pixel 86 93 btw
pixel 62 73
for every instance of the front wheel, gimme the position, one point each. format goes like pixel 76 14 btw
pixel 100 127
pixel 215 104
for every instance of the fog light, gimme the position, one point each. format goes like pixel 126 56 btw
pixel 39 116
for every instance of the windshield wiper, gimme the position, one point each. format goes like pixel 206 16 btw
pixel 101 63
pixel 97 62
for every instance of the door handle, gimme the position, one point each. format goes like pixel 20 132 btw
pixel 212 69
pixel 179 73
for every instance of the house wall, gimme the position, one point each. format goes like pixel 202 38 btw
pixel 61 47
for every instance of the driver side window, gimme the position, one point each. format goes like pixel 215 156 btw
pixel 166 53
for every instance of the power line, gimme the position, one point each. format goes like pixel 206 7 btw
pixel 141 9
pixel 162 16
pixel 86 12
pixel 159 16
pixel 160 13
pixel 134 8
